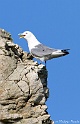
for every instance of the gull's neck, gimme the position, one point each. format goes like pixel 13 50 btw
pixel 32 42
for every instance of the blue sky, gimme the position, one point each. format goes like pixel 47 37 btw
pixel 55 23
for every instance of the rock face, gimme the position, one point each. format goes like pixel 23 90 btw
pixel 23 85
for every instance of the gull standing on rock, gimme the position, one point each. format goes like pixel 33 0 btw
pixel 40 51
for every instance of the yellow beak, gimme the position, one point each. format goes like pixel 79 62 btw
pixel 21 35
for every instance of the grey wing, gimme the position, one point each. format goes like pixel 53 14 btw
pixel 41 50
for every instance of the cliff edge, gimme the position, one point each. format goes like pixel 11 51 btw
pixel 23 85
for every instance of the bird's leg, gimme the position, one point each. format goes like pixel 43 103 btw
pixel 45 63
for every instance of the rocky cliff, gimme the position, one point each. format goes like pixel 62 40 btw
pixel 23 85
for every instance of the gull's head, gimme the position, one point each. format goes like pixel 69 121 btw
pixel 31 39
pixel 26 35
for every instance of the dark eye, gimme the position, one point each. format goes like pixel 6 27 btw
pixel 26 33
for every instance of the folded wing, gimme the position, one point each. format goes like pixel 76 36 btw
pixel 41 50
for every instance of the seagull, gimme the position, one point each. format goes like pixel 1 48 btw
pixel 40 51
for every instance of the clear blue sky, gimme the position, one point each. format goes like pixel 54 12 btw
pixel 55 23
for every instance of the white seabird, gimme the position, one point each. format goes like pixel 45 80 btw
pixel 40 51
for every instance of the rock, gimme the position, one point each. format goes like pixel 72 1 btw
pixel 23 85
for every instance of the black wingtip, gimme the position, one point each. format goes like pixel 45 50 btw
pixel 65 51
